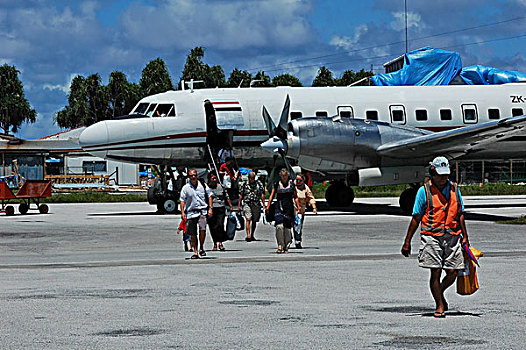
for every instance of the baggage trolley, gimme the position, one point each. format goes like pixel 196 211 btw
pixel 33 191
pixel 5 196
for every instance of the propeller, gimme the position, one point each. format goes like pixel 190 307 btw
pixel 277 142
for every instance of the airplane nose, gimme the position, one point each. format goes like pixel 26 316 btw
pixel 274 144
pixel 94 139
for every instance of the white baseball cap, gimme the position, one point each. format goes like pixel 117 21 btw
pixel 441 165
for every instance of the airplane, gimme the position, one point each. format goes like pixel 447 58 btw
pixel 359 135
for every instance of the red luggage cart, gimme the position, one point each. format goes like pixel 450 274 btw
pixel 33 191
pixel 5 196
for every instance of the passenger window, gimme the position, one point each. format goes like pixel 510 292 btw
pixel 397 114
pixel 493 113
pixel 345 112
pixel 322 114
pixel 141 108
pixel 470 114
pixel 515 112
pixel 445 114
pixel 150 110
pixel 371 115
pixel 295 115
pixel 421 115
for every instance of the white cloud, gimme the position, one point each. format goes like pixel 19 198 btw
pixel 64 87
pixel 226 25
pixel 413 20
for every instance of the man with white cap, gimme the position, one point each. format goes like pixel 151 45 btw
pixel 439 211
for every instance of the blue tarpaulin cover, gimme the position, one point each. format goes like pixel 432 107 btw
pixel 482 75
pixel 432 66
pixel 425 66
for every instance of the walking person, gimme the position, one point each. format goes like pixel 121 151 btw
pixel 303 196
pixel 284 213
pixel 216 221
pixel 196 203
pixel 252 197
pixel 440 212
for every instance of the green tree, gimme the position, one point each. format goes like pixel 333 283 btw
pixel 239 77
pixel 348 77
pixel 155 78
pixel 261 80
pixel 324 78
pixel 97 98
pixel 14 107
pixel 133 97
pixel 75 113
pixel 215 77
pixel 195 69
pixel 286 80
pixel 88 103
pixel 122 95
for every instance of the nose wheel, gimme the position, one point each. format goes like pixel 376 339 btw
pixel 168 206
pixel 339 195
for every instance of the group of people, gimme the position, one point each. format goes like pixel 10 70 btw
pixel 438 210
pixel 205 204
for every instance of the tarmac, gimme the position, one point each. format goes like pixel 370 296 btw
pixel 115 276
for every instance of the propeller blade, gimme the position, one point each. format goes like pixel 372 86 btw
pixel 282 153
pixel 269 123
pixel 281 129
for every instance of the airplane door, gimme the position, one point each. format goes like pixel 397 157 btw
pixel 223 117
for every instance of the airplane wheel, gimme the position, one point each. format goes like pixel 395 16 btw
pixel 168 206
pixel 43 209
pixel 330 195
pixel 153 192
pixel 339 195
pixel 23 208
pixel 9 210
pixel 407 200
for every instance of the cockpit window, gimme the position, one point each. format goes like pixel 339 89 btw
pixel 141 108
pixel 164 110
pixel 150 110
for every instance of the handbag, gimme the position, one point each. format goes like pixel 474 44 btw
pixel 271 214
pixel 467 281
pixel 231 223
pixel 240 221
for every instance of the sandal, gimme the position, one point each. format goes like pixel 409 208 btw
pixel 221 247
pixel 279 251
pixel 195 256
pixel 202 252
pixel 215 248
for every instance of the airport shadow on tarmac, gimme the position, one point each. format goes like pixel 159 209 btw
pixel 420 311
pixel 386 209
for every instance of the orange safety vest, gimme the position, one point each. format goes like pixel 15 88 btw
pixel 441 216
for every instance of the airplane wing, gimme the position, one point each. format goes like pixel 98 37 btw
pixel 455 142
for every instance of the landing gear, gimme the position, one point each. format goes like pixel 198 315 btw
pixel 165 199
pixel 168 206
pixel 339 195
pixel 407 200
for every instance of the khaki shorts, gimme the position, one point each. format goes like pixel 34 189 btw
pixel 252 212
pixel 443 252
pixel 194 223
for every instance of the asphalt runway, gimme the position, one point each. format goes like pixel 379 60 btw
pixel 115 276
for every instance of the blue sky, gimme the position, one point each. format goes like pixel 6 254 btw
pixel 52 41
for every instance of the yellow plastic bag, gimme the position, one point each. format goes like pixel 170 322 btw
pixel 467 282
